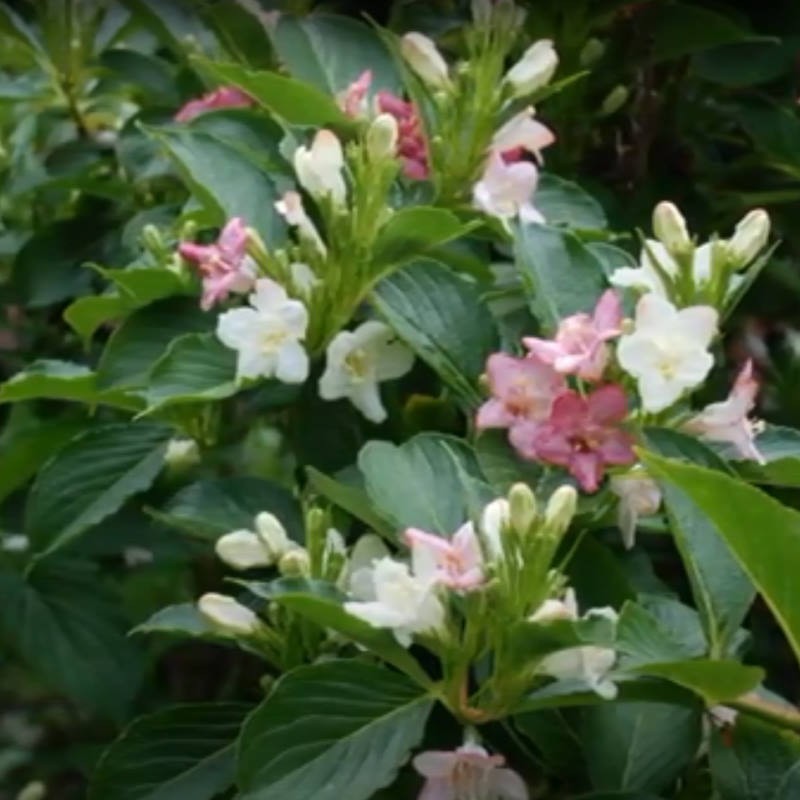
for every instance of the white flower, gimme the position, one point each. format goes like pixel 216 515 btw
pixel 522 130
pixel 424 58
pixel 357 578
pixel 669 227
pixel 588 663
pixel 405 603
pixel 357 361
pixel 505 190
pixel 319 169
pixel 225 613
pixel 495 518
pixel 267 335
pixel 639 496
pixel 290 207
pixel 534 70
pixel 667 352
pixel 749 237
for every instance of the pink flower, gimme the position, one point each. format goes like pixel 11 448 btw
pixel 522 131
pixel 523 390
pixel 506 188
pixel 579 346
pixel 353 100
pixel 466 773
pixel 224 266
pixel 223 97
pixel 411 144
pixel 457 564
pixel 582 434
pixel 727 421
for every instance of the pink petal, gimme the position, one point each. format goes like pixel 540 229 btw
pixel 523 437
pixel 197 252
pixel 570 411
pixel 608 314
pixel 608 404
pixel 493 414
pixel 617 448
pixel 233 239
pixel 544 442
pixel 435 763
pixel 545 350
pixel 417 538
pixel 508 785
pixel 416 170
pixel 588 470
pixel 438 789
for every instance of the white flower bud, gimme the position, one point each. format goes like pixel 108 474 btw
pixel 424 58
pixel 319 168
pixel 334 542
pixel 534 70
pixel 382 138
pixel 552 610
pixel 182 454
pixel 494 519
pixel 522 507
pixel 295 563
pixel 749 238
pixel 243 550
pixel 560 509
pixel 226 614
pixel 273 535
pixel 669 227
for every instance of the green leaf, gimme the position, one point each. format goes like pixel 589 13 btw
pixel 225 180
pixel 14 26
pixel 500 463
pixel 638 746
pixel 321 602
pixel 610 257
pixel 62 380
pixel 781 450
pixel 182 619
pixel 673 444
pixel 351 499
pixel 642 639
pixel 443 320
pixel 90 479
pixel 563 202
pixel 420 483
pixel 141 340
pixel 757 762
pixel 745 63
pixel 176 753
pixel 215 506
pixel 411 233
pixel 330 51
pixel 561 276
pixel 722 591
pixel 738 512
pixel 63 623
pixel 293 101
pixel 335 729
pixel 196 368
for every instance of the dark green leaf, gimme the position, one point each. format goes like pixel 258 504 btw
pixel 563 202
pixel 182 619
pixel 500 463
pixel 411 233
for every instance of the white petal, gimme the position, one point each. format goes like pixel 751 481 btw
pixel 238 327
pixel 268 295
pixel 366 398
pixel 699 324
pixel 255 363
pixel 694 367
pixel 655 314
pixel 657 392
pixel 636 278
pixel 392 359
pixel 376 614
pixel 295 317
pixel 637 354
pixel 292 363
pixel 334 383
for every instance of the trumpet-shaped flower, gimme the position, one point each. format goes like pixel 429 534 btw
pixel 320 168
pixel 534 70
pixel 224 265
pixel 579 347
pixel 639 496
pixel 728 421
pixel 353 100
pixel 412 147
pixel 522 130
pixel 290 207
pixel 422 55
pixel 457 563
pixel 523 389
pixel 223 97
pixel 582 434
pixel 467 773
pixel 403 602
pixel 357 361
pixel 667 352
pixel 267 335
pixel 506 190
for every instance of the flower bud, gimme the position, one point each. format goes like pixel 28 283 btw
pixel 243 550
pixel 534 70
pixel 481 12
pixel 749 238
pixel 182 454
pixel 295 563
pixel 494 520
pixel 35 790
pixel 334 542
pixel 225 613
pixel 424 58
pixel 522 507
pixel 592 51
pixel 152 239
pixel 319 168
pixel 552 610
pixel 273 535
pixel 669 227
pixel 382 138
pixel 614 100
pixel 560 510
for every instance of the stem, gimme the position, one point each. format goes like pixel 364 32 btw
pixel 778 715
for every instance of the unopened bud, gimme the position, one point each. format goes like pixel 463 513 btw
pixel 494 520
pixel 522 507
pixel 560 510
pixel 319 168
pixel 422 55
pixel 382 138
pixel 749 238
pixel 592 51
pixel 152 239
pixel 227 615
pixel 534 70
pixel 670 229
pixel 481 12
pixel 614 101
pixel 35 790
pixel 508 16
pixel 182 454
pixel 243 550
pixel 273 535
pixel 296 563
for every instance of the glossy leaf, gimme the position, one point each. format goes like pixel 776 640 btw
pixel 182 619
pixel 563 202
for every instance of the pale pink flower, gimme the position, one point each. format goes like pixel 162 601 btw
pixel 412 147
pixel 579 347
pixel 522 130
pixel 727 421
pixel 506 188
pixel 224 265
pixel 523 390
pixel 457 563
pixel 222 97
pixel 353 100
pixel 583 435
pixel 466 773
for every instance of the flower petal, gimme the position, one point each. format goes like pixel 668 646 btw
pixel 292 363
